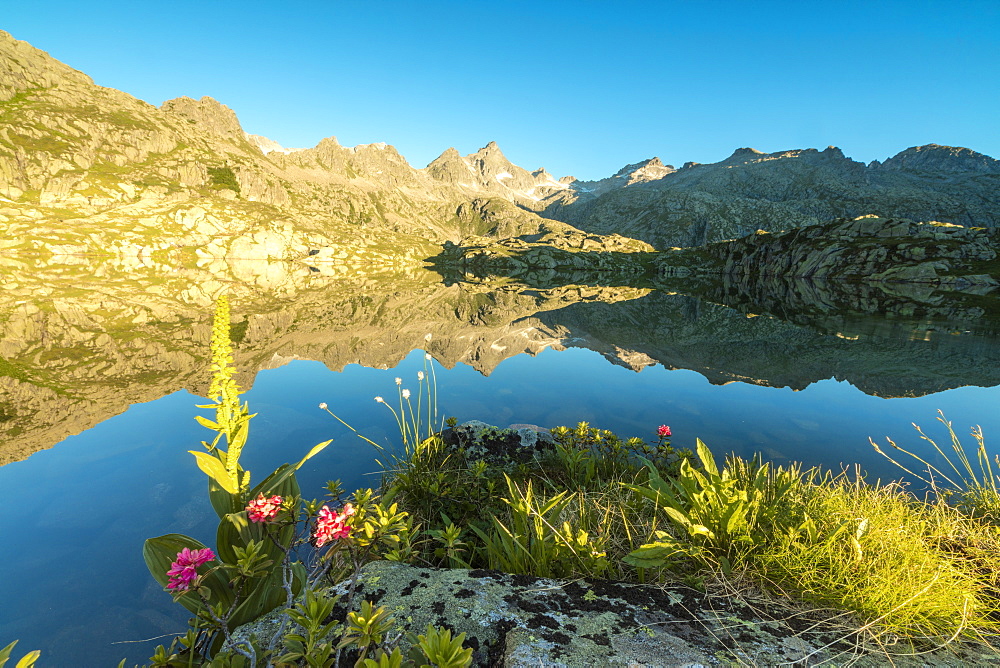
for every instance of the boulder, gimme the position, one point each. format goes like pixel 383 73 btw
pixel 521 621
pixel 518 443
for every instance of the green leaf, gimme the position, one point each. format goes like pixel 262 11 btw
pixel 652 555
pixel 222 501
pixel 160 552
pixel 734 518
pixel 282 482
pixel 215 470
pixel 316 449
pixel 28 660
pixel 701 530
pixel 707 460
pixel 5 653
pixel 677 516
pixel 205 422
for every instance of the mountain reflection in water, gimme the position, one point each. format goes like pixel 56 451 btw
pixel 81 339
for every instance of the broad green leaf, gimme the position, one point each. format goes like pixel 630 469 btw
pixel 222 501
pixel 652 555
pixel 227 537
pixel 215 470
pixel 267 595
pixel 282 482
pixel 734 518
pixel 677 516
pixel 160 552
pixel 5 653
pixel 727 567
pixel 235 530
pixel 707 460
pixel 28 660
pixel 701 530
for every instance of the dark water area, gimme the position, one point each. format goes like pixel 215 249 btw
pixel 99 383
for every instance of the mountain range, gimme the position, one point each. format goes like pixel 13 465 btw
pixel 87 169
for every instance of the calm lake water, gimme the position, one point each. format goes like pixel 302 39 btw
pixel 101 373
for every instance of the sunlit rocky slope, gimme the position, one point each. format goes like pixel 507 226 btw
pixel 90 169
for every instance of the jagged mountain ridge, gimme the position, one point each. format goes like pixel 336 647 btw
pixel 750 190
pixel 93 169
pixel 86 168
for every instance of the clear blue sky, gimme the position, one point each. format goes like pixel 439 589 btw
pixel 577 87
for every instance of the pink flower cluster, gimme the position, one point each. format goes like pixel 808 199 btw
pixel 332 527
pixel 263 509
pixel 183 572
pixel 663 431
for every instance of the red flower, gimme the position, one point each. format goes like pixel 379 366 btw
pixel 332 527
pixel 183 572
pixel 262 509
pixel 663 431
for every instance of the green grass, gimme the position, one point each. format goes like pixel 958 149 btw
pixel 895 566
pixel 11 370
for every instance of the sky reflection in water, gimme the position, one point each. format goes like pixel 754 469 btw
pixel 75 582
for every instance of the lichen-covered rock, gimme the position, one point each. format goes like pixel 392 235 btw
pixel 518 443
pixel 524 621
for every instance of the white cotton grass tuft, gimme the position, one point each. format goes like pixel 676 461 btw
pixel 399 381
pixel 406 394
pixel 380 400
pixel 322 406
pixel 420 375
pixel 427 356
pixel 427 336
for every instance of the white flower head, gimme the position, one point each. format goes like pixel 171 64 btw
pixel 420 375
pixel 322 406
pixel 427 356
pixel 399 381
pixel 406 394
pixel 427 336
pixel 380 400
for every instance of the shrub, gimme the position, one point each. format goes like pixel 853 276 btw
pixel 223 177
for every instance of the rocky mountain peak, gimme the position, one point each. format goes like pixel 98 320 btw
pixel 934 157
pixel 267 145
pixel 207 112
pixel 451 167
pixel 23 67
pixel 644 170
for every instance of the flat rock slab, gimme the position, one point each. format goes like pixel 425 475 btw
pixel 515 620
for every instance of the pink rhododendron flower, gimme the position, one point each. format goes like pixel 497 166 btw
pixel 663 431
pixel 263 509
pixel 330 526
pixel 183 572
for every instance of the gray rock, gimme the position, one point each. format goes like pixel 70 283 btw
pixel 495 445
pixel 521 621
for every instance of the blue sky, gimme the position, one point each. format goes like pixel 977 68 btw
pixel 579 88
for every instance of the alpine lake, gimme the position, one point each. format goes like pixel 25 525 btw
pixel 103 362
